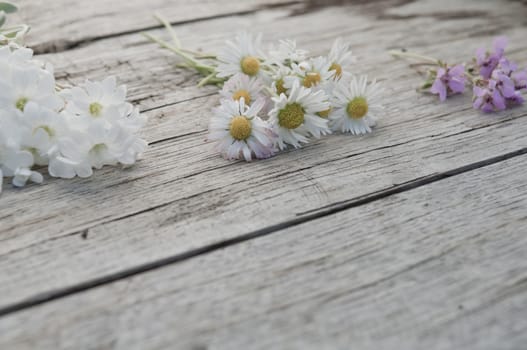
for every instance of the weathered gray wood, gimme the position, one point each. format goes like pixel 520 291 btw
pixel 177 125
pixel 196 216
pixel 154 81
pixel 59 25
pixel 183 193
pixel 438 267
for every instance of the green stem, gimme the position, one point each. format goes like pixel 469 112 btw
pixel 207 79
pixel 177 42
pixel 174 49
pixel 169 28
pixel 189 59
pixel 405 54
pixel 473 79
pixel 200 55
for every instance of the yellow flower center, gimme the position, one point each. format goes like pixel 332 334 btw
pixel 324 114
pixel 242 93
pixel 46 129
pixel 21 103
pixel 98 148
pixel 240 128
pixel 280 89
pixel 250 65
pixel 95 109
pixel 357 108
pixel 292 116
pixel 338 70
pixel 311 79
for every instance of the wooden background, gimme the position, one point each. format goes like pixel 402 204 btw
pixel 413 237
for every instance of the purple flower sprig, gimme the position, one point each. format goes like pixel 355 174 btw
pixel 449 81
pixel 443 79
pixel 500 82
pixel 497 82
pixel 488 61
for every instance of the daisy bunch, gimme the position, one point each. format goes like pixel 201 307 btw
pixel 280 98
pixel 497 82
pixel 66 131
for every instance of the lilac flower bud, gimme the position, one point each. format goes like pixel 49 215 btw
pixel 517 99
pixel 487 62
pixel 504 84
pixel 488 98
pixel 510 69
pixel 449 81
pixel 520 80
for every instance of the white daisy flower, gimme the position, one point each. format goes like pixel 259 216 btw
pixel 109 145
pixel 45 127
pixel 313 73
pixel 242 56
pixel 21 84
pixel 98 145
pixel 21 56
pixel 130 119
pixel 287 53
pixel 70 160
pixel 104 130
pixel 328 88
pixel 71 132
pixel 17 164
pixel 241 85
pixel 340 58
pixel 295 116
pixel 356 105
pixel 14 161
pixel 103 101
pixel 279 76
pixel 239 132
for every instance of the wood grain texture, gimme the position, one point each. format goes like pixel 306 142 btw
pixel 439 267
pixel 81 21
pixel 183 197
pixel 172 121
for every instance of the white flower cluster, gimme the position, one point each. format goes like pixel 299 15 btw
pixel 285 98
pixel 71 131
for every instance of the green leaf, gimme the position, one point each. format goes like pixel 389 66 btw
pixel 2 18
pixel 7 7
pixel 427 85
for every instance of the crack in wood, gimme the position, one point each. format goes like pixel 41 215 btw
pixel 374 6
pixel 111 278
pixel 271 178
pixel 58 46
pixel 303 217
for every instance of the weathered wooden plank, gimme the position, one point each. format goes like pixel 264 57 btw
pixel 173 126
pixel 196 211
pixel 59 25
pixel 264 188
pixel 441 267
pixel 154 80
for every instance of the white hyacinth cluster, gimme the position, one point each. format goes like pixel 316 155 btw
pixel 282 98
pixel 66 131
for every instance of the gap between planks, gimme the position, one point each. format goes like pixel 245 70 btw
pixel 62 44
pixel 49 48
pixel 175 136
pixel 97 282
pixel 455 283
